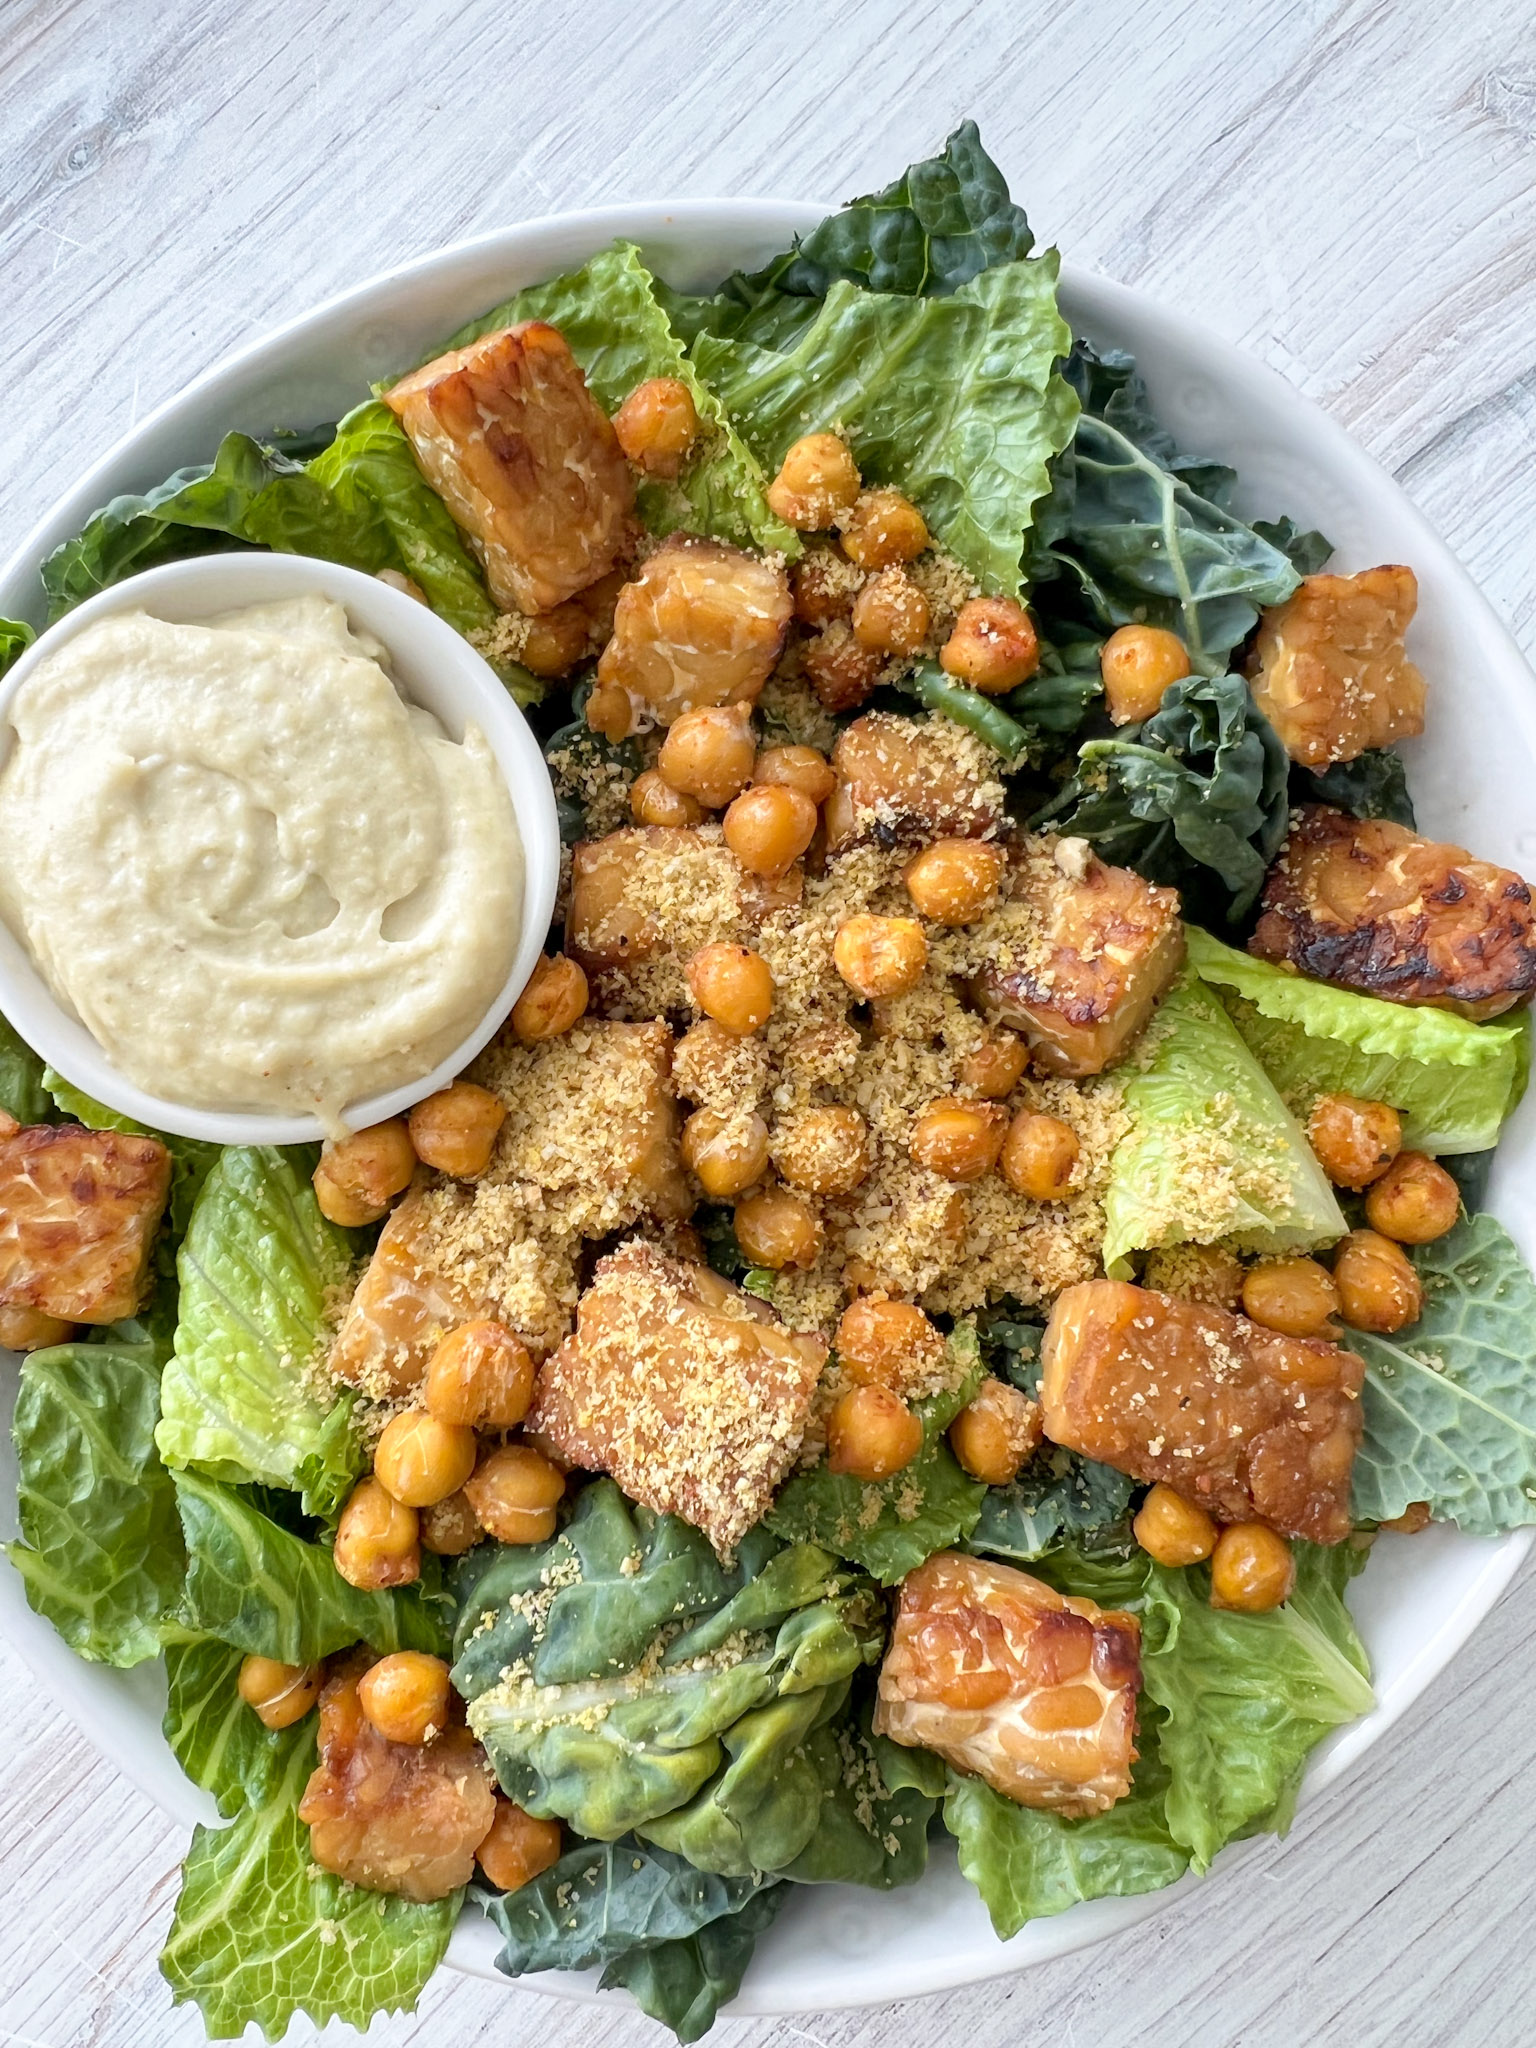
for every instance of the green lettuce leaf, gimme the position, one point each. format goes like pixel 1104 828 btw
pixel 890 1526
pixel 213 1734
pixel 15 638
pixel 1452 1082
pixel 1212 1151
pixel 22 1093
pixel 1057 1495
pixel 100 1553
pixel 244 1398
pixel 684 1983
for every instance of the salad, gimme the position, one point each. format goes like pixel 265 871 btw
pixel 970 1233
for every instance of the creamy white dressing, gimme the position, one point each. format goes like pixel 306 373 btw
pixel 260 878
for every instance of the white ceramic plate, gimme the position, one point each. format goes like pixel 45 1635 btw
pixel 1472 775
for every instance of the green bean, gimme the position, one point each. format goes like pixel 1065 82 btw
pixel 967 707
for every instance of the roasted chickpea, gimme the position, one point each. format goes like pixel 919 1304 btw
pixel 890 614
pixel 817 479
pixel 733 985
pixel 802 768
pixel 480 1376
pixel 28 1329
pixel 775 1228
pixel 882 529
pixel 1415 1516
pixel 405 1697
pixel 419 1459
pixel 1355 1141
pixel 1137 664
pixel 822 1151
pixel 1296 1296
pixel 768 828
pixel 556 640
pixel 358 1177
pixel 1379 1287
pixel 1172 1530
pixel 554 1000
pixel 871 1433
pixel 995 1432
pixel 954 881
pixel 377 1539
pixel 278 1694
pixel 609 713
pixel 880 956
pixel 518 1847
pixel 514 1492
pixel 727 1150
pixel 996 1066
pixel 709 753
pixel 450 1527
pixel 842 671
pixel 653 801
pixel 887 1344
pixel 1039 1156
pixel 455 1129
pixel 1415 1200
pixel 993 646
pixel 1252 1569
pixel 657 425
pixel 960 1140
pixel 823 583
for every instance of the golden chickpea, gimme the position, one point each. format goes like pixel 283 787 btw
pixel 377 1539
pixel 405 1697
pixel 657 425
pixel 733 985
pixel 822 1151
pixel 727 1150
pixel 1252 1569
pixel 802 768
pixel 890 614
pixel 455 1129
pixel 995 1432
pixel 996 1067
pixel 1415 1516
pixel 842 672
pixel 359 1177
pixel 768 828
pixel 419 1459
pixel 1172 1530
pixel 1296 1296
pixel 278 1694
pixel 554 1000
pixel 887 1343
pixel 880 956
pixel 518 1847
pixel 823 585
pixel 1379 1286
pixel 871 1434
pixel 653 801
pixel 609 713
pixel 450 1527
pixel 960 1140
pixel 556 640
pixel 514 1492
pixel 817 479
pixel 709 753
pixel 882 529
pixel 955 880
pixel 1137 664
pixel 480 1377
pixel 993 647
pixel 1355 1141
pixel 28 1329
pixel 777 1229
pixel 1039 1156
pixel 1415 1200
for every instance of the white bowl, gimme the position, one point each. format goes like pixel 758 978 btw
pixel 436 668
pixel 1472 776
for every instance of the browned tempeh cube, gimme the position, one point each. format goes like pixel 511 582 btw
pixel 1004 1677
pixel 912 779
pixel 1102 947
pixel 512 441
pixel 1250 1424
pixel 689 1392
pixel 702 623
pixel 1372 906
pixel 1329 669
pixel 78 1214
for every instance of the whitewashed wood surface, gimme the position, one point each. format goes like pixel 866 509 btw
pixel 1349 190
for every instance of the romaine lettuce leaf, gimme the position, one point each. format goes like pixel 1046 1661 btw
pixel 213 1734
pixel 22 1094
pixel 1452 1082
pixel 15 638
pixel 100 1553
pixel 1212 1151
pixel 245 1397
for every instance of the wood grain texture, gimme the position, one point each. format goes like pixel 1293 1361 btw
pixel 1347 190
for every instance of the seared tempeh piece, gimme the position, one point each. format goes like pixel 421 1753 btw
pixel 701 623
pixel 1372 906
pixel 512 441
pixel 78 1214
pixel 911 779
pixel 1252 1425
pixel 1005 1678
pixel 689 1392
pixel 1329 669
